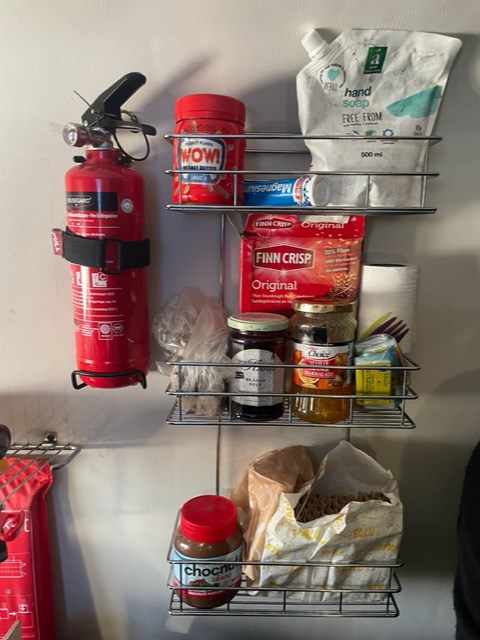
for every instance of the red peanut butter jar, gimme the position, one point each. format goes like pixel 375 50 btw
pixel 204 150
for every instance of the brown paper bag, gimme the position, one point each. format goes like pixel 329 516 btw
pixel 258 492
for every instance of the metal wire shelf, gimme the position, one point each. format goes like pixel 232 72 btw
pixel 50 451
pixel 392 416
pixel 364 209
pixel 327 211
pixel 291 601
pixel 388 419
pixel 286 600
pixel 34 458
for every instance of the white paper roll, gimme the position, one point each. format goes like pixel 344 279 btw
pixel 387 302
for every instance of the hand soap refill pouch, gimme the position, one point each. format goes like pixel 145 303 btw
pixel 368 84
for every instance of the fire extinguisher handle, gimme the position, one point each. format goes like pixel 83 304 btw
pixel 105 111
pixel 134 125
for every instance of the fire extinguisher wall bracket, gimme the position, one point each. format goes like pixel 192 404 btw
pixel 134 373
pixel 110 255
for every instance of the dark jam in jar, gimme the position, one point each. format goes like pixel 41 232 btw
pixel 256 341
pixel 207 552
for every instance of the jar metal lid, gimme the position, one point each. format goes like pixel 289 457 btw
pixel 322 305
pixel 258 321
pixel 208 518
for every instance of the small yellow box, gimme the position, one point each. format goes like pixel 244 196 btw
pixel 373 382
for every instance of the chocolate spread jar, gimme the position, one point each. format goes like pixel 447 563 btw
pixel 207 550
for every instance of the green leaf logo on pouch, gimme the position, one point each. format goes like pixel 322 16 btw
pixel 375 59
pixel 419 105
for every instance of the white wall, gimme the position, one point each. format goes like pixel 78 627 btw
pixel 113 508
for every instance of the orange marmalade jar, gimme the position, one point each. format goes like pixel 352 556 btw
pixel 322 336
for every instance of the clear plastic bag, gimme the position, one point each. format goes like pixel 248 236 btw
pixel 192 327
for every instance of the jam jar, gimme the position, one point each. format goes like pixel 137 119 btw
pixel 322 335
pixel 207 550
pixel 256 341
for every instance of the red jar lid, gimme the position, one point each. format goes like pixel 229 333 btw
pixel 208 518
pixel 210 105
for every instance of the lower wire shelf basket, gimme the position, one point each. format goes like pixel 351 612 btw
pixel 395 418
pixel 387 410
pixel 289 601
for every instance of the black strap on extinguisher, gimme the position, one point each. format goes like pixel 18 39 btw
pixel 92 252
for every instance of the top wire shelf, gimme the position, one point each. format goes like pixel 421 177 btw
pixel 291 144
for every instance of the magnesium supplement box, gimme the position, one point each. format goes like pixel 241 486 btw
pixel 283 257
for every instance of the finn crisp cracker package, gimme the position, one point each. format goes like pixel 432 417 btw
pixel 284 257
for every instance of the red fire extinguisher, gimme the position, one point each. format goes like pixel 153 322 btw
pixel 105 243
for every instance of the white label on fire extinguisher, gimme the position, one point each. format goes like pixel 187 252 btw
pixel 201 154
pixel 105 331
pixel 92 201
pixel 99 279
pixel 110 330
pixel 126 205
pixel 97 305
